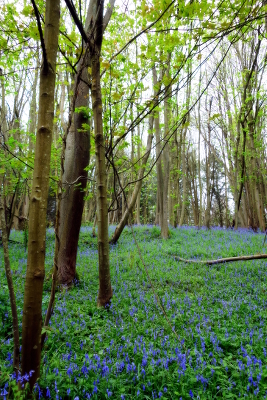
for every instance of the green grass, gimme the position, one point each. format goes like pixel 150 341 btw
pixel 129 351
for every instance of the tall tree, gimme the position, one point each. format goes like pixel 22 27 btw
pixel 77 155
pixel 12 295
pixel 32 309
pixel 74 177
pixel 96 27
pixel 166 156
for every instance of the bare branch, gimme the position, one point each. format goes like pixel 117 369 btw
pixel 76 19
pixel 37 15
pixel 108 14
pixel 223 260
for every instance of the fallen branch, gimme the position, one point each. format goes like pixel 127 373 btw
pixel 10 241
pixel 223 260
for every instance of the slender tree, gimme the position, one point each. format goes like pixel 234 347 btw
pixel 12 295
pixel 77 157
pixel 32 309
pixel 96 29
pixel 137 188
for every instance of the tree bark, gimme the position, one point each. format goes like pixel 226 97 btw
pixel 12 295
pixel 208 162
pixel 105 290
pixel 32 114
pixel 76 160
pixel 4 128
pixel 32 309
pixel 199 161
pixel 166 164
pixel 163 162
pixel 183 139
pixel 138 200
pixel 159 206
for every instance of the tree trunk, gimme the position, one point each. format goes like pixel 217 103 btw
pixel 208 166
pixel 184 195
pixel 193 167
pixel 12 296
pixel 159 207
pixel 183 138
pixel 105 290
pixel 32 309
pixel 76 160
pixel 162 158
pixel 173 180
pixel 32 114
pixel 199 161
pixel 138 200
pixel 4 128
pixel 166 165
pixel 137 188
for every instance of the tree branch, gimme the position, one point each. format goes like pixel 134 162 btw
pixel 223 260
pixel 76 19
pixel 37 15
pixel 107 16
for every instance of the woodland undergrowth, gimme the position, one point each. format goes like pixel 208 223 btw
pixel 128 351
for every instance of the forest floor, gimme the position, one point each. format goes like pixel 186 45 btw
pixel 129 351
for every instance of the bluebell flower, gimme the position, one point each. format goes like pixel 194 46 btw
pixel 105 370
pixel 191 394
pixel 144 362
pixel 48 393
pixel 3 393
pixel 95 389
pixel 37 387
pixel 84 369
pixel 109 393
